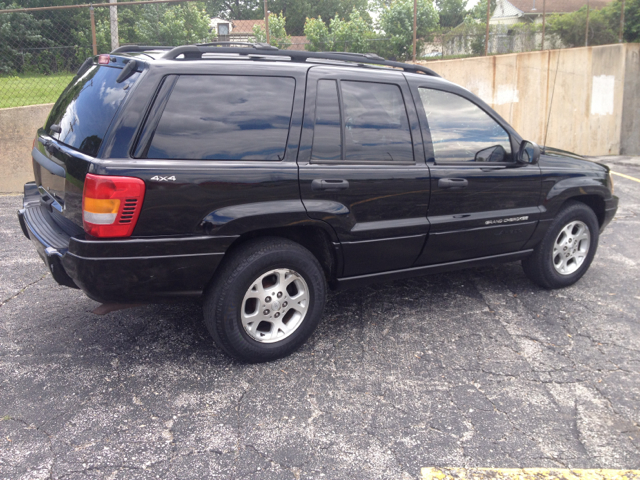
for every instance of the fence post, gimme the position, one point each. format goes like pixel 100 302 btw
pixel 586 30
pixel 113 12
pixel 544 18
pixel 486 36
pixel 415 27
pixel 621 36
pixel 93 31
pixel 266 20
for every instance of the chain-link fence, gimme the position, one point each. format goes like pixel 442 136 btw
pixel 42 48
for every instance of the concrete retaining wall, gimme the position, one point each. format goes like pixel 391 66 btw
pixel 585 100
pixel 18 127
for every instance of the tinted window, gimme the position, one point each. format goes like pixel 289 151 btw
pixel 327 144
pixel 87 106
pixel 376 124
pixel 224 117
pixel 461 131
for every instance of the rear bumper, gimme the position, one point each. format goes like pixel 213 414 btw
pixel 119 270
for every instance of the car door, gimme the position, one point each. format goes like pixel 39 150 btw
pixel 362 166
pixel 483 202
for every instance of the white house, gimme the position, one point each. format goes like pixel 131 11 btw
pixel 509 12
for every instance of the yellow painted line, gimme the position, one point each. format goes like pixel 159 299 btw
pixel 629 177
pixel 527 474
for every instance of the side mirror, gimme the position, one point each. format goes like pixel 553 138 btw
pixel 491 154
pixel 529 153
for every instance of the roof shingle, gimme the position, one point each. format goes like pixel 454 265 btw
pixel 556 6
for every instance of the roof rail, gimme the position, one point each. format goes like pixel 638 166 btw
pixel 139 48
pixel 261 46
pixel 263 49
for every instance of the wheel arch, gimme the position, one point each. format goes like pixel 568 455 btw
pixel 594 201
pixel 314 238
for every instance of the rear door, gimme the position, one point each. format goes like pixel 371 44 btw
pixel 362 166
pixel 483 202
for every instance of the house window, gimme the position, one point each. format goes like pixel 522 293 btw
pixel 223 29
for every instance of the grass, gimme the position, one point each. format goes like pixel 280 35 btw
pixel 26 90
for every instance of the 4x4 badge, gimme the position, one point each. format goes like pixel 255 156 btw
pixel 158 178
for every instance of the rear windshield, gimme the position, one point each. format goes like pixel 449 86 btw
pixel 87 106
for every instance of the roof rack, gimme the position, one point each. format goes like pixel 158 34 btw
pixel 264 49
pixel 260 46
pixel 139 48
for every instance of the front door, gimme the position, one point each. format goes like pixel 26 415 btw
pixel 483 202
pixel 362 166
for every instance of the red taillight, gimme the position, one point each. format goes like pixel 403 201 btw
pixel 104 59
pixel 111 205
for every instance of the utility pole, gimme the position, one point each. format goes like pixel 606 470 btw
pixel 266 20
pixel 113 12
pixel 621 36
pixel 586 30
pixel 415 27
pixel 544 18
pixel 486 36
pixel 93 31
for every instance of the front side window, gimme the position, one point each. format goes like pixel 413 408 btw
pixel 461 131
pixel 225 117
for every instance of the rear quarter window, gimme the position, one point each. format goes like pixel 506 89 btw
pixel 87 106
pixel 225 117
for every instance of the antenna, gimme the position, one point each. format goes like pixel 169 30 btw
pixel 546 131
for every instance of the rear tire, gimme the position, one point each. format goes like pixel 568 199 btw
pixel 266 300
pixel 567 249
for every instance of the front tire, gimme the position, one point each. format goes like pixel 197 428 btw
pixel 567 249
pixel 266 300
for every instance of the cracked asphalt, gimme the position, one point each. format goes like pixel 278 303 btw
pixel 477 368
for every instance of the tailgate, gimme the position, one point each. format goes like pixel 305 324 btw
pixel 74 131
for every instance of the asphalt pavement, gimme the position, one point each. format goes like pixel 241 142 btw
pixel 477 368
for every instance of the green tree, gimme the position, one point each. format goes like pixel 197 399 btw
pixel 396 21
pixel 297 11
pixel 353 35
pixel 277 32
pixel 632 20
pixel 235 9
pixel 571 27
pixel 451 12
pixel 163 24
pixel 479 11
pixel 21 41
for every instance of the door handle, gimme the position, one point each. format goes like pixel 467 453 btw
pixel 319 184
pixel 453 183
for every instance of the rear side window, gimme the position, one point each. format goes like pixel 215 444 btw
pixel 87 106
pixel 461 131
pixel 376 123
pixel 327 141
pixel 225 117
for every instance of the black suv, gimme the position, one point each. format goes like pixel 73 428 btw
pixel 254 178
